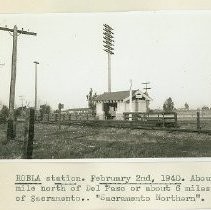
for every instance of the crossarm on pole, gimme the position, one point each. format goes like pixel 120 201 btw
pixel 19 31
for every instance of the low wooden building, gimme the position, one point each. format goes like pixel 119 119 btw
pixel 112 105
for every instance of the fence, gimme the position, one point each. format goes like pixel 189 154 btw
pixel 54 117
pixel 156 119
pixel 191 114
pixel 144 119
pixel 188 119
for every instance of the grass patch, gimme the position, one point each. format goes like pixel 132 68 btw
pixel 90 142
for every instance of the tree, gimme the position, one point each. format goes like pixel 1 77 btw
pixel 205 108
pixel 18 112
pixel 168 105
pixel 91 103
pixel 44 109
pixel 186 106
pixel 4 113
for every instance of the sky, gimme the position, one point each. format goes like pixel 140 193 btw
pixel 169 49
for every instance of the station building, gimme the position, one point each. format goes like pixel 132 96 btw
pixel 113 105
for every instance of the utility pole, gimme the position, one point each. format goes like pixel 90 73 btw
pixel 131 101
pixel 108 47
pixel 146 86
pixel 11 119
pixel 146 92
pixel 35 95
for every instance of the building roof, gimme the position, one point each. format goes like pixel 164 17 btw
pixel 118 96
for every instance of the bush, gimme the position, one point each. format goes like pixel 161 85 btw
pixel 4 113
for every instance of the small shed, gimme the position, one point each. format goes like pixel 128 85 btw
pixel 112 105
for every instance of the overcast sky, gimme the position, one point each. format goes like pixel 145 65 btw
pixel 171 50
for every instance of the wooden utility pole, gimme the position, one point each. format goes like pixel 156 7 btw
pixel 35 95
pixel 11 119
pixel 131 101
pixel 10 129
pixel 146 86
pixel 146 92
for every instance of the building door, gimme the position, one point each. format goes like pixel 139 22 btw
pixel 110 110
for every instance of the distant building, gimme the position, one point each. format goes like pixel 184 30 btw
pixel 112 105
pixel 183 109
pixel 77 110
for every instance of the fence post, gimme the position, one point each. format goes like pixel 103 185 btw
pixel 31 134
pixel 130 116
pixel 11 130
pixel 175 118
pixel 163 119
pixel 198 121
pixel 25 133
pixel 60 118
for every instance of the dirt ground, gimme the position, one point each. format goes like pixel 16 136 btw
pixel 90 142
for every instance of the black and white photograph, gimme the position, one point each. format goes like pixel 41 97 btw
pixel 105 85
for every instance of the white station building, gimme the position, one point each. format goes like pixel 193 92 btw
pixel 113 105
